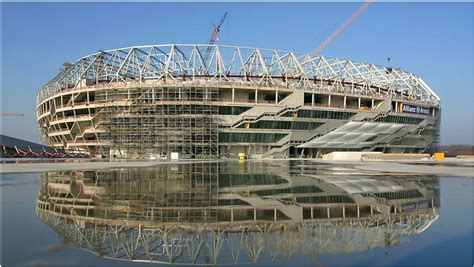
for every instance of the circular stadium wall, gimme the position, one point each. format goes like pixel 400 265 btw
pixel 155 101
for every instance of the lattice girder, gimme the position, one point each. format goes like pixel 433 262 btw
pixel 183 62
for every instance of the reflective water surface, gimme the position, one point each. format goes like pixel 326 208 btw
pixel 256 213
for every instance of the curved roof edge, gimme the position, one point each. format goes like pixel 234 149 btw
pixel 223 63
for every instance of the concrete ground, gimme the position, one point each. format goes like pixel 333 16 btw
pixel 437 168
pixel 446 167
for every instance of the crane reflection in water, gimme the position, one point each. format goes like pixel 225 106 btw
pixel 227 213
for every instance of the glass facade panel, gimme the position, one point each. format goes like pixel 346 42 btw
pixel 225 137
pixel 321 114
pixel 232 110
pixel 290 125
pixel 399 119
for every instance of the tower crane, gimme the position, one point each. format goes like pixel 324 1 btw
pixel 214 35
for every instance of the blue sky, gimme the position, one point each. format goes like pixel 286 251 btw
pixel 433 40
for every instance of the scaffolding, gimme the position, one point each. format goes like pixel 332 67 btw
pixel 155 122
pixel 181 193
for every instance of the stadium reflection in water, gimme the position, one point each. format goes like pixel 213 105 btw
pixel 216 213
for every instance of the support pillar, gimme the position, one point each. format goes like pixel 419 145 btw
pixel 358 211
pixel 373 103
pixel 312 213
pixel 274 214
pixel 312 104
pixel 256 96
pixel 276 97
pixel 371 210
pixel 329 100
pixel 233 95
pixel 329 214
pixel 359 103
pixel 231 215
pixel 254 214
pixel 345 102
pixel 344 211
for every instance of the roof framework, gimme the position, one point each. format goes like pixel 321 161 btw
pixel 242 243
pixel 239 65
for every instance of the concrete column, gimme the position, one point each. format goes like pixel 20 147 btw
pixel 329 215
pixel 358 212
pixel 345 101
pixel 254 214
pixel 396 106
pixel 312 212
pixel 274 214
pixel 329 100
pixel 276 97
pixel 373 103
pixel 312 104
pixel 344 211
pixel 359 103
pixel 371 210
pixel 256 96
pixel 231 215
pixel 233 95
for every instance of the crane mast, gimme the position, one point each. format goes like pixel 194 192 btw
pixel 341 28
pixel 213 38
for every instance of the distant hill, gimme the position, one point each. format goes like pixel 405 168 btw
pixel 454 150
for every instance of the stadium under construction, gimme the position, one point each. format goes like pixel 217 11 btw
pixel 154 101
